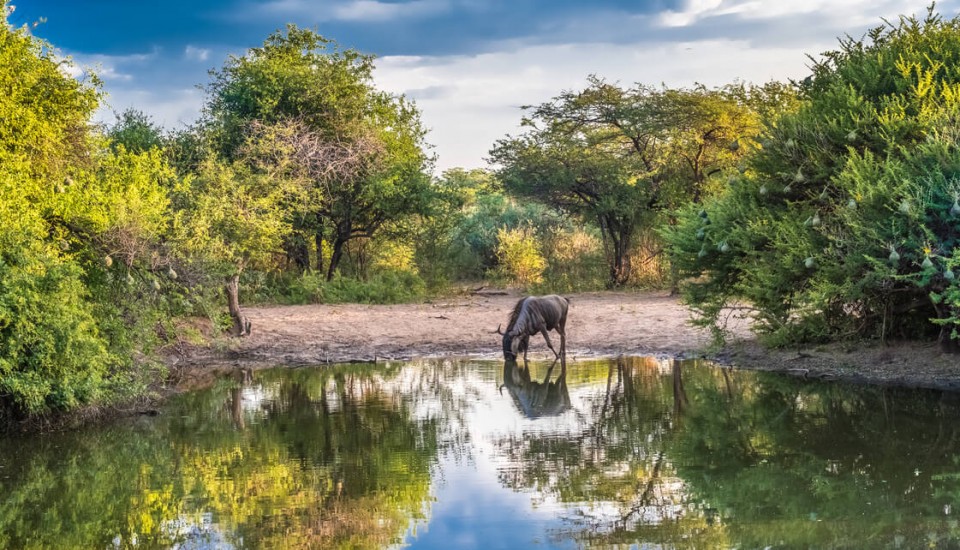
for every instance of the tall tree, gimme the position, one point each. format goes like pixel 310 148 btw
pixel 360 150
pixel 230 215
pixel 619 156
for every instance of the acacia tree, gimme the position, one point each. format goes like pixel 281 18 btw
pixel 360 151
pixel 618 157
pixel 362 183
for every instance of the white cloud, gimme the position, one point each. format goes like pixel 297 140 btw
pixel 168 108
pixel 469 102
pixel 193 53
pixel 692 10
pixel 847 13
pixel 110 68
pixel 370 11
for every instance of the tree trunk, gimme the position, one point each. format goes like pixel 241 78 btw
pixel 318 242
pixel 616 241
pixel 342 235
pixel 241 325
pixel 620 269
pixel 338 244
pixel 680 399
pixel 620 261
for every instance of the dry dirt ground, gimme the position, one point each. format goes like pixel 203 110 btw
pixel 599 324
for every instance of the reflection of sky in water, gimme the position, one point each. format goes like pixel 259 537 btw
pixel 197 533
pixel 473 508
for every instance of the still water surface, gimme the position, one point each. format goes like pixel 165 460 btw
pixel 628 453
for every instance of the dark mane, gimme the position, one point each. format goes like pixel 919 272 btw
pixel 514 314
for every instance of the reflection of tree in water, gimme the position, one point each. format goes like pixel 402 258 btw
pixel 696 457
pixel 784 459
pixel 614 455
pixel 320 459
pixel 652 452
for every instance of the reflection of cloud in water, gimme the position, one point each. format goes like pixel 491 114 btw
pixel 253 397
pixel 195 532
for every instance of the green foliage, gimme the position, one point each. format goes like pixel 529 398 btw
pixel 518 253
pixel 44 112
pixel 80 220
pixel 135 131
pixel 295 74
pixel 51 355
pixel 843 222
pixel 458 239
pixel 575 262
pixel 474 239
pixel 383 286
pixel 230 217
pixel 620 157
pixel 359 152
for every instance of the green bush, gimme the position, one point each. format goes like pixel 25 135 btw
pixel 575 262
pixel 386 286
pixel 519 259
pixel 51 355
pixel 843 223
pixel 79 243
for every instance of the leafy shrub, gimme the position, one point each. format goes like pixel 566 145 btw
pixel 843 223
pixel 518 253
pixel 51 355
pixel 575 262
pixel 384 287
pixel 79 219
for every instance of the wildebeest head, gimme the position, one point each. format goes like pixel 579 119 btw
pixel 511 345
pixel 508 351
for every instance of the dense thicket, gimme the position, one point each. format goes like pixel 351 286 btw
pixel 846 220
pixel 78 242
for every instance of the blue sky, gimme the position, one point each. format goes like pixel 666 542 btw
pixel 469 64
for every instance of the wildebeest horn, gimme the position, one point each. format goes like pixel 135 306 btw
pixel 498 330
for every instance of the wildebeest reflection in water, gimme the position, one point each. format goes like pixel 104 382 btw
pixel 533 398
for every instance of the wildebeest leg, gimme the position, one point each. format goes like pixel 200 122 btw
pixel 546 379
pixel 525 342
pixel 546 337
pixel 562 330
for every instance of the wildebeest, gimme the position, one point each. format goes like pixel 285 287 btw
pixel 532 315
